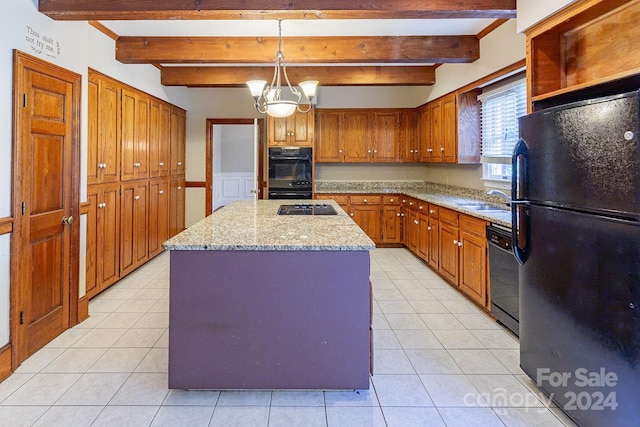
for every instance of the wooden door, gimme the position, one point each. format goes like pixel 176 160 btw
pixel 434 238
pixel 128 136
pixel 108 247
pixel 91 259
pixel 449 129
pixel 423 236
pixel 278 131
pixel 368 218
pixel 386 128
pixel 94 166
pixel 177 141
pixel 449 252
pixel 46 182
pixel 177 203
pixel 109 117
pixel 301 125
pixel 437 145
pixel 425 132
pixel 328 137
pixel 356 137
pixel 140 223
pixel 142 125
pixel 158 215
pixel 391 231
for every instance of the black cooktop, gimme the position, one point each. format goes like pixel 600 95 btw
pixel 307 209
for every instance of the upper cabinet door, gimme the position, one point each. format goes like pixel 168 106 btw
pixel 128 154
pixel 93 156
pixel 109 116
pixel 142 129
pixel 329 136
pixel 357 141
pixel 449 129
pixel 178 143
pixel 302 128
pixel 386 136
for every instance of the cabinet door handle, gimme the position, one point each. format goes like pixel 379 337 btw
pixel 136 198
pixel 340 151
pixel 441 148
pixel 411 151
pixel 161 192
pixel 430 150
pixel 455 242
pixel 391 200
pixel 375 151
pixel 416 222
pixel 429 228
pixel 431 211
pixel 179 188
pixel 416 151
pixel 369 151
pixel 420 207
pixel 179 163
pixel 351 213
pixel 410 203
pixel 398 214
pixel 365 200
pixel 460 244
pixel 161 164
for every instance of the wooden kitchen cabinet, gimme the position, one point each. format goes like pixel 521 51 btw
pixel 387 137
pixel 158 214
pixel 134 157
pixel 159 139
pixel 103 237
pixel 450 128
pixel 177 205
pixel 356 136
pixel 391 220
pixel 367 216
pixel 104 116
pixel 449 248
pixel 329 139
pixel 434 237
pixel 178 141
pixel 473 259
pixel 133 225
pixel 296 130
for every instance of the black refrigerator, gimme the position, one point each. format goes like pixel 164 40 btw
pixel 576 231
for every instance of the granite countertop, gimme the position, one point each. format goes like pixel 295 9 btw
pixel 443 195
pixel 256 226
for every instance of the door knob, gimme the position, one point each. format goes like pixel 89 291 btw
pixel 67 220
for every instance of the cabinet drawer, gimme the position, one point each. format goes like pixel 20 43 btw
pixel 391 199
pixel 434 211
pixel 449 216
pixel 473 225
pixel 341 199
pixel 366 199
pixel 410 203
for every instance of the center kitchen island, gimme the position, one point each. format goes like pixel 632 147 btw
pixel 266 301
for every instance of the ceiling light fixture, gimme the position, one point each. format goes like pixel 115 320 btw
pixel 275 100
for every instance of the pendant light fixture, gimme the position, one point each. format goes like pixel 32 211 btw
pixel 278 101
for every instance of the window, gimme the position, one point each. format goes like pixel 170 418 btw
pixel 502 104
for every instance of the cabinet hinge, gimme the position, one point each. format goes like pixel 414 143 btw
pixel 22 317
pixel 24 100
pixel 24 208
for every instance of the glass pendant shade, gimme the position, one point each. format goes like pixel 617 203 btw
pixel 281 108
pixel 256 86
pixel 309 88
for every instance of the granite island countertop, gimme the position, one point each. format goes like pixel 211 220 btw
pixel 447 196
pixel 256 226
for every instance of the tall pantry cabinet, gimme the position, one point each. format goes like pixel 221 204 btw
pixel 136 151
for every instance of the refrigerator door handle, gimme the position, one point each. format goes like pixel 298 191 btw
pixel 519 207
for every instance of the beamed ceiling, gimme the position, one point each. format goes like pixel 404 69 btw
pixel 204 43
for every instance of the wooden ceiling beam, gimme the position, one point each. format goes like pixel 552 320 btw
pixel 327 76
pixel 299 50
pixel 84 10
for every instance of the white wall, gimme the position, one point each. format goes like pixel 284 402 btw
pixel 76 46
pixel 532 11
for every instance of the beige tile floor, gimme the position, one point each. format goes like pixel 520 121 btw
pixel 439 361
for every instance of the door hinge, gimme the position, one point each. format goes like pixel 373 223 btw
pixel 24 208
pixel 22 317
pixel 24 100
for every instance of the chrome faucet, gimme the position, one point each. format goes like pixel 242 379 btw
pixel 500 194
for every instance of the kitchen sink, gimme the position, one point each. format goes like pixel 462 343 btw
pixel 486 207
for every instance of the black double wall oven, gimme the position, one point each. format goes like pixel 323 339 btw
pixel 290 172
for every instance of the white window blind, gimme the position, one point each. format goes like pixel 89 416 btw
pixel 501 108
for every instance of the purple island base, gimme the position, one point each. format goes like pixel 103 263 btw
pixel 269 320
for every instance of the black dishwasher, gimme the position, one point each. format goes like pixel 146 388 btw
pixel 503 278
